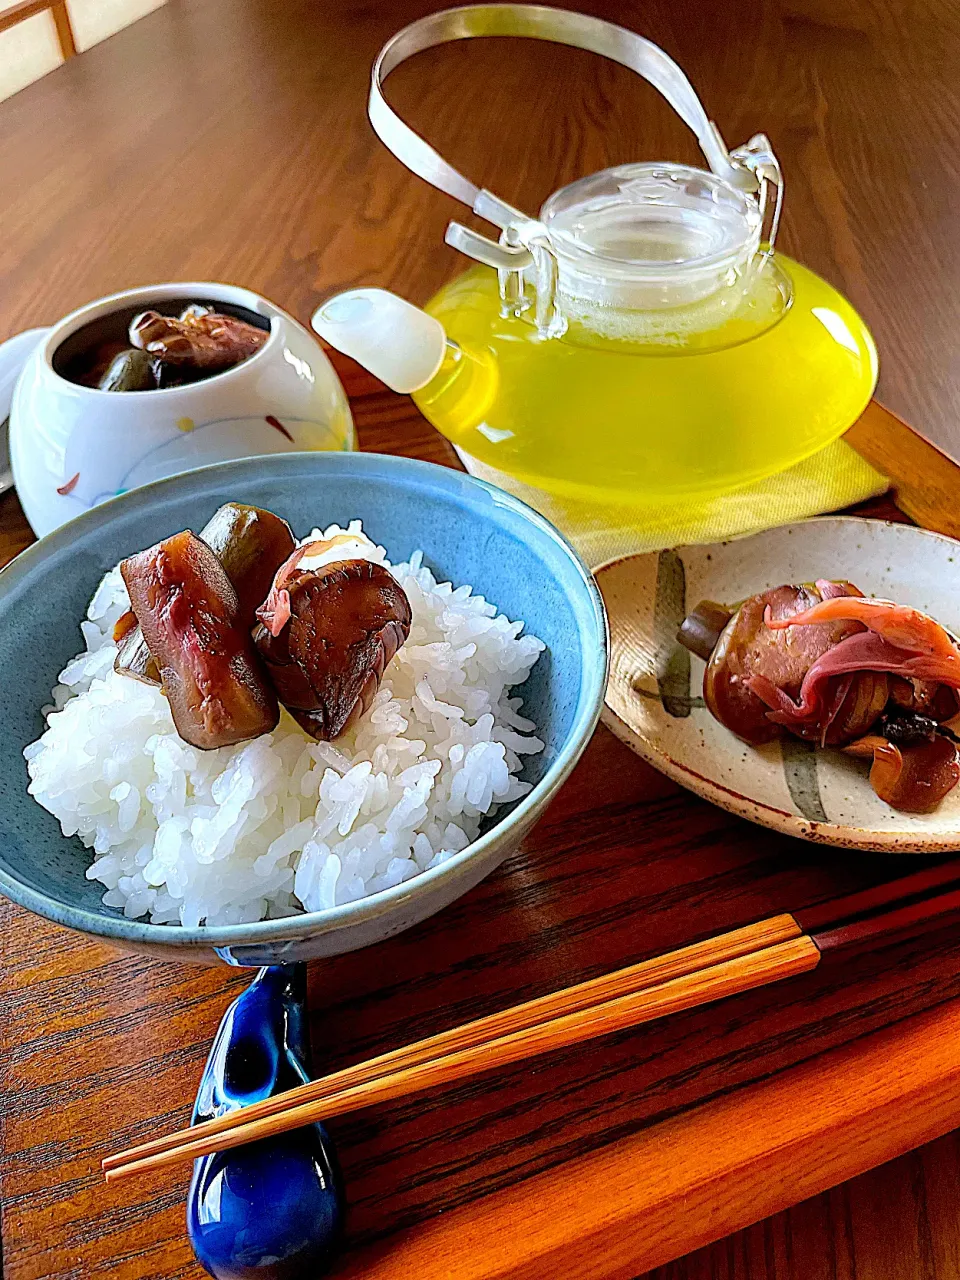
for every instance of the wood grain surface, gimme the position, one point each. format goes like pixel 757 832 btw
pixel 227 140
pixel 657 972
pixel 649 1217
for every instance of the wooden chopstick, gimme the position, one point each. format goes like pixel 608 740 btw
pixel 730 977
pixel 890 926
pixel 637 977
pixel 740 960
pixel 925 883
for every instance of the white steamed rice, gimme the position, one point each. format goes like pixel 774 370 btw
pixel 281 823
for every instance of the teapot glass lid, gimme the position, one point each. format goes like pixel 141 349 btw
pixel 650 235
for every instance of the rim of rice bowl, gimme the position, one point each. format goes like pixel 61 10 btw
pixel 382 900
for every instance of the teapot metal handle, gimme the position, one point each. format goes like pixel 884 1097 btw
pixel 540 23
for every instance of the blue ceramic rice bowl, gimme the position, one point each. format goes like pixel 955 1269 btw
pixel 469 532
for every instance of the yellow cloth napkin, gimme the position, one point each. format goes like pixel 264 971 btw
pixel 833 478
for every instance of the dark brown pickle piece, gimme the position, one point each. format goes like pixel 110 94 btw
pixel 126 623
pixel 131 370
pixel 702 628
pixel 907 728
pixel 135 659
pixel 347 620
pixel 747 647
pixel 859 710
pixel 199 343
pixel 89 368
pixel 251 544
pixel 913 779
pixel 925 697
pixel 188 612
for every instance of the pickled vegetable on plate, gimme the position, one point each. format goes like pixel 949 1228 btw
pixel 326 636
pixel 745 647
pixel 825 663
pixel 913 774
pixel 189 613
pixel 251 544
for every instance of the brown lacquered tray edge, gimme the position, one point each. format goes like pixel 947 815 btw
pixel 647 1199
pixel 925 481
pixel 692 1179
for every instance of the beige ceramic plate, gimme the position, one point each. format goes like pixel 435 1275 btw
pixel 653 699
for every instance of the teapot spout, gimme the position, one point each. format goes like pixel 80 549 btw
pixel 396 341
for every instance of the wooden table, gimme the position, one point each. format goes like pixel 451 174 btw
pixel 227 140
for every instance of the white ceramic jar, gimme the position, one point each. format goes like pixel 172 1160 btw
pixel 73 447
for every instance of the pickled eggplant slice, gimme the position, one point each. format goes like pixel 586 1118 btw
pixel 748 649
pixel 131 370
pixel 192 313
pixel 188 612
pixel 914 778
pixel 199 343
pixel 135 659
pixel 854 704
pixel 251 544
pixel 346 621
pixel 702 628
pixel 123 626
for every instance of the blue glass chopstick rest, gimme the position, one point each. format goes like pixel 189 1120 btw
pixel 273 1209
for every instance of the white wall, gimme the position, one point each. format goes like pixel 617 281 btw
pixel 30 49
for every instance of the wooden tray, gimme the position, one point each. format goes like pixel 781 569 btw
pixel 597 1162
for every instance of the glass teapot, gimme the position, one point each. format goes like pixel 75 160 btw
pixel 640 340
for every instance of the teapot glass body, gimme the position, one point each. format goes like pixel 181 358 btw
pixel 678 357
pixel 586 415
